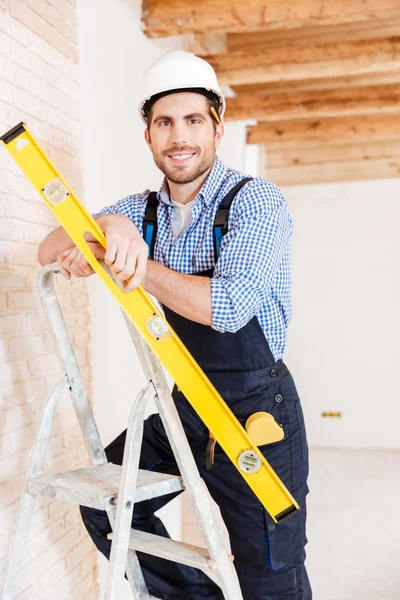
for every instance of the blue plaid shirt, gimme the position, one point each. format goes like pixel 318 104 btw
pixel 253 273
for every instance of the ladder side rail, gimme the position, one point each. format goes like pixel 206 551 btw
pixel 66 354
pixel 198 493
pixel 126 498
pixel 27 502
pixel 150 363
pixel 133 568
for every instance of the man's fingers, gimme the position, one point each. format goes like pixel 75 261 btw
pixel 111 251
pixel 121 257
pixel 140 272
pixel 72 262
pixel 64 271
pixel 130 266
pixel 142 263
pixel 85 266
pixel 64 254
pixel 68 259
pixel 64 263
pixel 76 264
pixel 98 251
pixel 126 255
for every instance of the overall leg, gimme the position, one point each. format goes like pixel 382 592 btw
pixel 269 558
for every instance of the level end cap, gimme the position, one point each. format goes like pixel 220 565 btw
pixel 285 514
pixel 10 135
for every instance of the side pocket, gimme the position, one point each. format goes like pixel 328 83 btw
pixel 286 540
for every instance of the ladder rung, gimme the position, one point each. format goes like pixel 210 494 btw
pixel 186 554
pixel 96 486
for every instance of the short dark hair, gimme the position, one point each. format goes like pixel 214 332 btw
pixel 211 99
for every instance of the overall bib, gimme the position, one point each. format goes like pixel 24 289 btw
pixel 269 558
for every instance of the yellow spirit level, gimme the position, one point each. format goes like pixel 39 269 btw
pixel 147 318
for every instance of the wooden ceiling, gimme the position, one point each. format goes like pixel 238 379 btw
pixel 320 78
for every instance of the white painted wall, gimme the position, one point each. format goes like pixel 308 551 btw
pixel 343 340
pixel 232 151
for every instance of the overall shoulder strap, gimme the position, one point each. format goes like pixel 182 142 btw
pixel 150 222
pixel 222 216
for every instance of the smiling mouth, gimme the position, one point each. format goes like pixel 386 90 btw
pixel 181 157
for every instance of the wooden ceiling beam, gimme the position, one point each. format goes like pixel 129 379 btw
pixel 331 83
pixel 175 17
pixel 315 104
pixel 204 44
pixel 325 132
pixel 330 154
pixel 320 61
pixel 358 170
pixel 314 34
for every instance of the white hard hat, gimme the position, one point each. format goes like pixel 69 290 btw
pixel 179 71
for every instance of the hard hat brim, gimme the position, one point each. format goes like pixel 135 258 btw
pixel 210 94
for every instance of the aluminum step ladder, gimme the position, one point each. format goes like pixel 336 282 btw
pixel 115 488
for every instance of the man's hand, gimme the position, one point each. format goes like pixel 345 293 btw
pixel 127 252
pixel 72 261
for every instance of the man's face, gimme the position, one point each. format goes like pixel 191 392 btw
pixel 182 136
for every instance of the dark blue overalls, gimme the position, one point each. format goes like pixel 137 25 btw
pixel 269 558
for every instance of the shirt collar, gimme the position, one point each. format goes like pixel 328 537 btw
pixel 209 189
pixel 163 194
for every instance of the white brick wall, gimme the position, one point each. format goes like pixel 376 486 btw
pixel 39 84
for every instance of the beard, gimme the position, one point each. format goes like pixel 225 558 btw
pixel 185 173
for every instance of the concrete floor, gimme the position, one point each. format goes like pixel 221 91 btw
pixel 354 524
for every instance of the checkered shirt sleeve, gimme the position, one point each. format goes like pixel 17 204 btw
pixel 133 207
pixel 253 254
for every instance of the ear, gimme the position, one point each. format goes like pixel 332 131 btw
pixel 219 134
pixel 147 138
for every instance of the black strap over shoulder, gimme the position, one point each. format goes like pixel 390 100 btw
pixel 150 222
pixel 220 221
pixel 222 216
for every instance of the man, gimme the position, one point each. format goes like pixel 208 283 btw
pixel 229 300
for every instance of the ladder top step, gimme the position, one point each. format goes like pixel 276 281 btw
pixel 96 486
